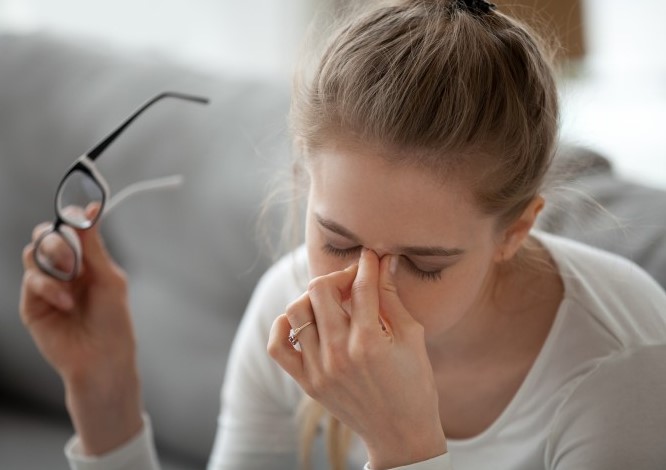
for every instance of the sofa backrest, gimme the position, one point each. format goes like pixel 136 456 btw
pixel 191 254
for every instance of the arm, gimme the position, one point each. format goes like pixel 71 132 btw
pixel 136 454
pixel 83 329
pixel 257 428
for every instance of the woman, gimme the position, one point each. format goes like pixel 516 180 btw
pixel 437 329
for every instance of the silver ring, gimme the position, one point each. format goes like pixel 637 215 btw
pixel 293 337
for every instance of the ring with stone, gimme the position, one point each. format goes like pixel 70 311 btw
pixel 293 337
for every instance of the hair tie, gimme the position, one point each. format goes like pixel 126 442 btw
pixel 476 6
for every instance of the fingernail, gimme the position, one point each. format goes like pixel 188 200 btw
pixel 393 265
pixel 65 301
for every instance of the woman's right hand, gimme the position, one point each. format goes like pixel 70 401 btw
pixel 83 329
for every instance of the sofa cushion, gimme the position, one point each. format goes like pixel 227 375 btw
pixel 191 254
pixel 589 202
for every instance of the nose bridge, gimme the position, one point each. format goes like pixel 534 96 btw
pixel 380 252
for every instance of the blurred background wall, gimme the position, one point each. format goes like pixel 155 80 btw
pixel 614 65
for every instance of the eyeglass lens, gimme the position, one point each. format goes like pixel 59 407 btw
pixel 77 191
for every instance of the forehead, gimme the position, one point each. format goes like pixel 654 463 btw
pixel 362 190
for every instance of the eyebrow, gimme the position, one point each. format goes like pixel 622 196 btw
pixel 405 250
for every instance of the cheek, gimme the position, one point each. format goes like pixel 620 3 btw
pixel 440 305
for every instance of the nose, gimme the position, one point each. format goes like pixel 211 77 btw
pixel 380 253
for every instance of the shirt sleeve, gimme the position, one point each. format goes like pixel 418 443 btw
pixel 137 454
pixel 615 418
pixel 257 427
pixel 441 462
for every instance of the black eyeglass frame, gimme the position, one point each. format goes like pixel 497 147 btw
pixel 86 165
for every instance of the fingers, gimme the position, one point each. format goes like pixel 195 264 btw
pixel 40 287
pixel 95 257
pixel 301 362
pixel 54 247
pixel 328 295
pixel 322 304
pixel 365 293
pixel 60 250
pixel 63 250
pixel 28 257
pixel 281 350
pixel 298 314
pixel 396 317
pixel 40 229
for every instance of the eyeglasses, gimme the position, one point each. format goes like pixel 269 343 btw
pixel 57 251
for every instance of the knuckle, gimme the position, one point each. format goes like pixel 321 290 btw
pixel 273 349
pixel 295 309
pixel 37 285
pixel 39 229
pixel 26 255
pixel 317 285
pixel 275 346
pixel 293 306
pixel 360 286
pixel 28 279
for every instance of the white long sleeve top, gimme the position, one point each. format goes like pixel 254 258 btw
pixel 594 399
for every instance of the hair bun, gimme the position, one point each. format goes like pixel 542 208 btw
pixel 478 7
pixel 475 6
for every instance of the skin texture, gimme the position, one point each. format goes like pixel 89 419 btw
pixel 393 323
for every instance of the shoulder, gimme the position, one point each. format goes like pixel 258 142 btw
pixel 596 266
pixel 615 416
pixel 252 378
pixel 281 284
pixel 613 291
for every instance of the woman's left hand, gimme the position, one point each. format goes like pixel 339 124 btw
pixel 378 381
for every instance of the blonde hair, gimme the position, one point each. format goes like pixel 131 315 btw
pixel 445 88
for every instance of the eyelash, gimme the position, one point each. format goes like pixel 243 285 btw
pixel 346 252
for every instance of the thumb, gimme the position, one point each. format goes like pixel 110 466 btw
pixel 96 258
pixel 392 309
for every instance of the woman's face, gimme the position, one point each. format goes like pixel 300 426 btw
pixel 447 247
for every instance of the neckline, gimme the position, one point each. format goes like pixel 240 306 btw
pixel 548 344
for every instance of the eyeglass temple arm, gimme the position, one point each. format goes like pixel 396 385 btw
pixel 148 185
pixel 99 148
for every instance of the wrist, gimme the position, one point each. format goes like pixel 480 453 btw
pixel 418 449
pixel 105 409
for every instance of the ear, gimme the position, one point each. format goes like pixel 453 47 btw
pixel 513 236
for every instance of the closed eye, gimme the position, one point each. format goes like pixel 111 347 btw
pixel 426 275
pixel 341 252
pixel 434 275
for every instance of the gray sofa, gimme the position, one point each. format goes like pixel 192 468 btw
pixel 191 254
